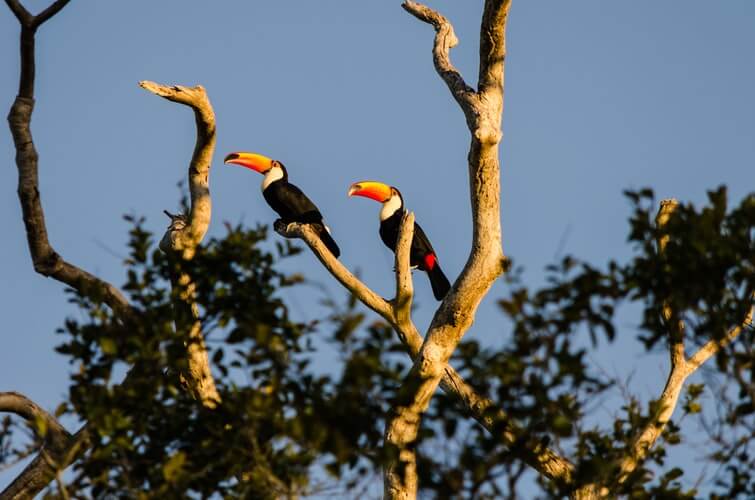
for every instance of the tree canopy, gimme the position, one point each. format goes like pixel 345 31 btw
pixel 193 378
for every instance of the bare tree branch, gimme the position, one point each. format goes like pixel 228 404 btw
pixel 678 372
pixel 492 48
pixel 23 15
pixel 713 346
pixel 402 304
pixel 44 425
pixel 482 409
pixel 445 40
pixel 44 468
pixel 185 233
pixel 673 323
pixel 483 111
pixel 44 257
pixel 452 382
pixel 191 233
pixel 57 451
pixel 49 12
pixel 680 369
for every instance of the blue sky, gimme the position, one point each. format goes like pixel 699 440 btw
pixel 600 96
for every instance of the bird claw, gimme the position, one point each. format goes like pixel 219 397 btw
pixel 283 228
pixel 411 268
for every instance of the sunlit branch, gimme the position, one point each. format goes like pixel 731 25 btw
pixel 184 235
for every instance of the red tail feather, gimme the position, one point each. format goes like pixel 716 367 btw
pixel 430 261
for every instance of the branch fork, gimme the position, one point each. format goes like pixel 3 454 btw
pixel 681 367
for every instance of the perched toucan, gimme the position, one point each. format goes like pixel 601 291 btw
pixel 422 254
pixel 285 198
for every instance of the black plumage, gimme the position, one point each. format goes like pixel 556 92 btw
pixel 293 205
pixel 421 255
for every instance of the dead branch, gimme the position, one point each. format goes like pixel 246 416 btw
pixel 483 111
pixel 185 238
pixel 46 260
pixel 185 233
pixel 482 409
pixel 402 304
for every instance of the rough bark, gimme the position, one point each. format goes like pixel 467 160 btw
pixel 482 409
pixel 185 233
pixel 46 261
pixel 483 112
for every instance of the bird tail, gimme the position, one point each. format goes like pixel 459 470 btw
pixel 329 242
pixel 438 282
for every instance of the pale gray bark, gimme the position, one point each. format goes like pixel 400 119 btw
pixel 483 110
pixel 482 409
pixel 185 233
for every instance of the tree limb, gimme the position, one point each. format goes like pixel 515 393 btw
pixel 44 257
pixel 482 409
pixel 49 12
pixel 23 15
pixel 452 382
pixel 714 346
pixel 186 237
pixel 673 323
pixel 402 304
pixel 57 451
pixel 45 466
pixel 445 40
pixel 185 233
pixel 680 368
pixel 44 425
pixel 483 111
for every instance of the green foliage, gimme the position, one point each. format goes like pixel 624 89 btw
pixel 294 422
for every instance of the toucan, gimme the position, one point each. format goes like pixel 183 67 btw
pixel 422 254
pixel 285 198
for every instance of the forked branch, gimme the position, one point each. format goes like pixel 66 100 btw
pixel 483 111
pixel 482 409
pixel 680 369
pixel 44 257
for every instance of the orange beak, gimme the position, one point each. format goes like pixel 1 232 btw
pixel 371 189
pixel 258 163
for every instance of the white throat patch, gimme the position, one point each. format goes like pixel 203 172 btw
pixel 390 207
pixel 272 175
